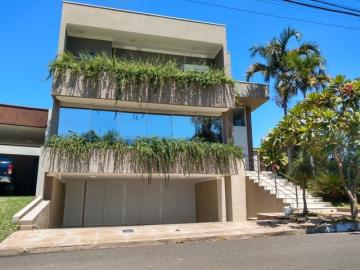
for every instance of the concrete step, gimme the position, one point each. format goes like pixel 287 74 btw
pixel 286 191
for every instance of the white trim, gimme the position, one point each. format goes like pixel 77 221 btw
pixel 20 150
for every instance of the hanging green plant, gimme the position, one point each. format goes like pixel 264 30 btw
pixel 145 155
pixel 130 72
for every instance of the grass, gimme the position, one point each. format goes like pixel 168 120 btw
pixel 8 207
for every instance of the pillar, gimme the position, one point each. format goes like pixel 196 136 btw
pixel 221 199
pixel 236 197
pixel 250 152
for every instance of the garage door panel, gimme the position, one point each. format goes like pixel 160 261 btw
pixel 132 203
pixel 169 203
pixel 94 207
pixel 178 203
pixel 114 203
pixel 151 203
pixel 73 205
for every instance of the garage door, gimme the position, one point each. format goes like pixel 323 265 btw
pixel 128 203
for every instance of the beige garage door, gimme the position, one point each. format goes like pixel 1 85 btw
pixel 128 203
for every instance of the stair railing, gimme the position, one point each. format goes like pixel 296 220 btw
pixel 259 163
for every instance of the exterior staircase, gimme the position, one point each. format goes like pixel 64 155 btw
pixel 288 192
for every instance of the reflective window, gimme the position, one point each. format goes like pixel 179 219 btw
pixel 239 117
pixel 132 125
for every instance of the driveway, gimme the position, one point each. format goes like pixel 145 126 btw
pixel 321 251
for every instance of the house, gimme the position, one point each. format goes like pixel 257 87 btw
pixel 22 134
pixel 101 194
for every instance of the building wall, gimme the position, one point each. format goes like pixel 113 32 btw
pixel 206 201
pixel 146 24
pixel 57 203
pixel 261 201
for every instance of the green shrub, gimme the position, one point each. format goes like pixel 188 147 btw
pixel 329 186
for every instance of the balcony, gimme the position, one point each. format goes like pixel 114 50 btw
pixel 99 83
pixel 146 156
pixel 250 94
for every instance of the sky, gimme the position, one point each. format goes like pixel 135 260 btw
pixel 30 30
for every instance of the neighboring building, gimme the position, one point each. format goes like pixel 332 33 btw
pixel 22 134
pixel 102 197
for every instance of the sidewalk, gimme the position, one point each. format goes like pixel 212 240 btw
pixel 52 240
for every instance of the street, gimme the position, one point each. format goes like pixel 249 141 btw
pixel 321 251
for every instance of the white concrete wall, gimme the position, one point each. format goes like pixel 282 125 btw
pixel 20 150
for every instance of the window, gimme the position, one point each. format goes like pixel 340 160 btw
pixel 194 67
pixel 239 117
pixel 132 125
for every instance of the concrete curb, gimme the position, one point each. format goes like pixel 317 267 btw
pixel 176 240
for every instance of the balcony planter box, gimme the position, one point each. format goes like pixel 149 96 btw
pixel 106 161
pixel 104 86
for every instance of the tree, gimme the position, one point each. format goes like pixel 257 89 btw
pixel 303 170
pixel 327 124
pixel 293 70
pixel 275 54
pixel 306 72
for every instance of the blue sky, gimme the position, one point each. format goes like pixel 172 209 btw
pixel 30 34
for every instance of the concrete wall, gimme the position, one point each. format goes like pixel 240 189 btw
pixel 97 163
pixel 55 192
pixel 261 201
pixel 78 86
pixel 37 217
pixel 109 20
pixel 206 201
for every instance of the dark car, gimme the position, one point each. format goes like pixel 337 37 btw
pixel 6 175
pixel 6 170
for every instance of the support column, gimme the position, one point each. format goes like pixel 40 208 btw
pixel 53 119
pixel 221 199
pixel 250 152
pixel 236 197
pixel 52 129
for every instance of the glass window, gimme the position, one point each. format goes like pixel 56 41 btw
pixel 194 67
pixel 239 117
pixel 133 125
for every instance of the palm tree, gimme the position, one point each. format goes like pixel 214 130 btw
pixel 302 169
pixel 280 65
pixel 306 72
pixel 275 67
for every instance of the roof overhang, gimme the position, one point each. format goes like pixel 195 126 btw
pixel 251 94
pixel 22 126
pixel 141 31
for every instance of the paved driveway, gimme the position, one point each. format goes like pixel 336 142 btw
pixel 326 251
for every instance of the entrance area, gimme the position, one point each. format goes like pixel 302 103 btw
pixel 130 200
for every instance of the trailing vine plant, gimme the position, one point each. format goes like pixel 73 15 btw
pixel 135 72
pixel 145 155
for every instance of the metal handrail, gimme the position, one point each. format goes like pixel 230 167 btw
pixel 275 179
